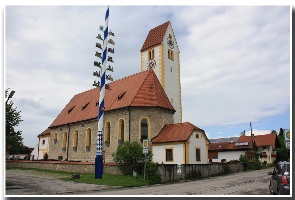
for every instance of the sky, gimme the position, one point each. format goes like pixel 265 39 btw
pixel 234 60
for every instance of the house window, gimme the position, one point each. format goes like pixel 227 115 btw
pixel 151 54
pixel 43 142
pixel 170 54
pixel 143 130
pixel 121 131
pixel 88 139
pixel 64 141
pixel 197 135
pixel 75 144
pixel 107 133
pixel 169 155
pixel 55 138
pixel 198 155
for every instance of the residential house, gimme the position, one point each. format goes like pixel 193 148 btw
pixel 43 144
pixel 227 151
pixel 266 144
pixel 181 143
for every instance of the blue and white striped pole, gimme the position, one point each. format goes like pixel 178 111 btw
pixel 98 158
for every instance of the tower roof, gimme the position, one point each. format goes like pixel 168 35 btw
pixel 155 36
pixel 141 89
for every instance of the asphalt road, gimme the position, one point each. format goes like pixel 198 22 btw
pixel 244 183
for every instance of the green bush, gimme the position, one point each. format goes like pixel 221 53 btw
pixel 45 156
pixel 130 158
pixel 245 160
pixel 152 174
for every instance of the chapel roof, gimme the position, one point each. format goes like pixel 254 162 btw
pixel 176 133
pixel 155 36
pixel 141 89
pixel 46 132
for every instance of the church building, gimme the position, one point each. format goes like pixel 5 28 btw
pixel 148 101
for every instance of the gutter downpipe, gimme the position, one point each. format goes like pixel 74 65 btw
pixel 68 143
pixel 129 123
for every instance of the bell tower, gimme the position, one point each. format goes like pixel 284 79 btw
pixel 160 52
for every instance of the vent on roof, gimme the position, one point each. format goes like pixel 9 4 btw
pixel 85 106
pixel 121 95
pixel 70 110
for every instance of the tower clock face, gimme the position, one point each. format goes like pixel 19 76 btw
pixel 170 42
pixel 151 64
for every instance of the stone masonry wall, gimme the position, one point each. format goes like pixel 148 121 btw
pixel 157 118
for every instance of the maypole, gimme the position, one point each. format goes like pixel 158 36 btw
pixel 102 84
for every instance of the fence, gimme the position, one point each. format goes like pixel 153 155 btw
pixel 169 173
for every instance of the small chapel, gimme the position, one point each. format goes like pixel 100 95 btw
pixel 149 101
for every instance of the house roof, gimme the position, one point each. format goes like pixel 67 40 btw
pixel 141 89
pixel 262 140
pixel 245 142
pixel 176 133
pixel 155 36
pixel 228 146
pixel 46 132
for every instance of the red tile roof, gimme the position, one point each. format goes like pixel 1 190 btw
pixel 266 140
pixel 141 89
pixel 46 132
pixel 228 146
pixel 260 140
pixel 155 36
pixel 176 133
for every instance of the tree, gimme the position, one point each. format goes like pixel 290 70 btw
pixel 273 132
pixel 243 133
pixel 129 156
pixel 14 139
pixel 283 154
pixel 257 154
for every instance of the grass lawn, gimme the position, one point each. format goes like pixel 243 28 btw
pixel 111 179
pixel 107 179
pixel 7 183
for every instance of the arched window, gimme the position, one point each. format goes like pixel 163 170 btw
pixel 75 144
pixel 55 138
pixel 121 131
pixel 170 54
pixel 88 139
pixel 64 141
pixel 144 129
pixel 107 134
pixel 151 54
